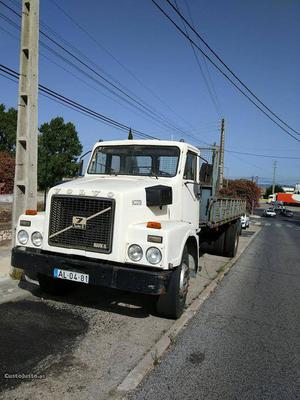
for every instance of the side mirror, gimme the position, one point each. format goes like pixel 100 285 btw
pixel 80 168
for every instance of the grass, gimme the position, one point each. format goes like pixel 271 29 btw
pixel 155 358
pixel 222 268
pixel 16 274
pixel 172 338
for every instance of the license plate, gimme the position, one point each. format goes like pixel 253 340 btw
pixel 71 275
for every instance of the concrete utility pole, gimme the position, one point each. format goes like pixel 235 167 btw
pixel 274 175
pixel 221 160
pixel 25 185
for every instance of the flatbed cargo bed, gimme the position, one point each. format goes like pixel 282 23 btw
pixel 221 210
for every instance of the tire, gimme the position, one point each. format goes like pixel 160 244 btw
pixel 54 286
pixel 218 244
pixel 172 303
pixel 232 239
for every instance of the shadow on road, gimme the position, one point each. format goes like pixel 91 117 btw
pixel 31 331
pixel 100 298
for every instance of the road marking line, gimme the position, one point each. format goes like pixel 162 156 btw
pixel 278 225
pixel 268 224
pixel 289 226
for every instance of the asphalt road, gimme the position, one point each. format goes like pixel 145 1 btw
pixel 84 344
pixel 244 343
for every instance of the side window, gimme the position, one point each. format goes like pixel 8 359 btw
pixel 190 170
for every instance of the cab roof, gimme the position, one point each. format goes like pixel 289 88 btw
pixel 148 142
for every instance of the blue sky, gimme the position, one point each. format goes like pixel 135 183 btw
pixel 258 39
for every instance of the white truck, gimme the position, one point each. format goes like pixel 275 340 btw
pixel 137 221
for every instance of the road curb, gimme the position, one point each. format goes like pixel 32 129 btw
pixel 152 357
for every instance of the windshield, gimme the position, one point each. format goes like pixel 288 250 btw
pixel 135 160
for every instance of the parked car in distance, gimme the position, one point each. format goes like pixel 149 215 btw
pixel 286 213
pixel 245 221
pixel 269 212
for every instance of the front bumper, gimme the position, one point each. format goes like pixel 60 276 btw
pixel 101 273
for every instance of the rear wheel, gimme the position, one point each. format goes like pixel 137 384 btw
pixel 54 286
pixel 232 239
pixel 218 244
pixel 172 303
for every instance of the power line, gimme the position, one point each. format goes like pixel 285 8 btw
pixel 15 80
pixel 55 63
pixel 63 99
pixel 69 103
pixel 132 74
pixel 144 108
pixel 269 149
pixel 206 66
pixel 222 72
pixel 227 67
pixel 7 32
pixel 262 155
pixel 75 106
pixel 85 73
pixel 201 69
pixel 245 161
pixel 208 82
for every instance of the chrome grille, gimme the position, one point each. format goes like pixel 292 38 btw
pixel 94 229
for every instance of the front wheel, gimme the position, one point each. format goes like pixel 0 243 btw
pixel 172 303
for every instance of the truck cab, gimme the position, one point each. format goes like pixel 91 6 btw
pixel 131 222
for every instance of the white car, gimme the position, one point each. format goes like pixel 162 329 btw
pixel 245 221
pixel 269 212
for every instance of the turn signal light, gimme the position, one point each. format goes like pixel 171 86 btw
pixel 31 212
pixel 154 225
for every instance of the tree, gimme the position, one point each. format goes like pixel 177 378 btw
pixel 8 129
pixel 269 190
pixel 242 189
pixel 59 147
pixel 7 172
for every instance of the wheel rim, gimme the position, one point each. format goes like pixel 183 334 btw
pixel 184 279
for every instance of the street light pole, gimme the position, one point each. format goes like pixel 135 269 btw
pixel 274 175
pixel 221 156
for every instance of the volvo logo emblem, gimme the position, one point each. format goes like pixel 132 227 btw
pixel 79 222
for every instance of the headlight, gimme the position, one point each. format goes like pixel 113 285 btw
pixel 153 255
pixel 23 237
pixel 135 252
pixel 37 238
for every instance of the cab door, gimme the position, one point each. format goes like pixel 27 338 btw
pixel 190 190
